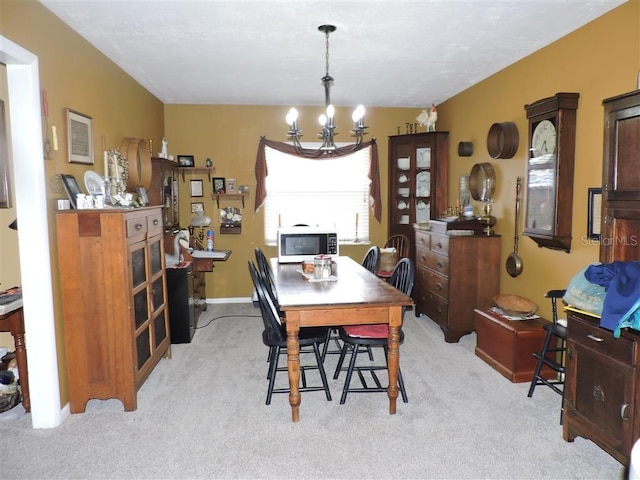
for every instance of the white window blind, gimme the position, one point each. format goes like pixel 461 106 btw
pixel 328 193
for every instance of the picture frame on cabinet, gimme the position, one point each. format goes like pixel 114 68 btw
pixel 196 188
pixel 186 161
pixel 79 137
pixel 219 185
pixel 230 184
pixel 71 187
pixel 197 207
pixel 594 213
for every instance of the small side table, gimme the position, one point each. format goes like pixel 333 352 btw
pixel 508 345
pixel 12 320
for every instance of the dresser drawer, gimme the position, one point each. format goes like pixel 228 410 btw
pixel 154 223
pixel 600 340
pixel 421 256
pixel 437 263
pixel 440 244
pixel 423 240
pixel 136 226
pixel 436 309
pixel 438 285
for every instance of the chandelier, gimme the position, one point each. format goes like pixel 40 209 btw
pixel 326 119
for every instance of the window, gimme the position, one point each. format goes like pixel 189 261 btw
pixel 331 193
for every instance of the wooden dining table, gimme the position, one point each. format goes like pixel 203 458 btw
pixel 355 297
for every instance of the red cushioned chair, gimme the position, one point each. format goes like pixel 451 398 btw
pixel 358 338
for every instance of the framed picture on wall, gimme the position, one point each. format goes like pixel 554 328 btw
pixel 230 184
pixel 186 161
pixel 219 185
pixel 196 188
pixel 79 137
pixel 593 220
pixel 197 207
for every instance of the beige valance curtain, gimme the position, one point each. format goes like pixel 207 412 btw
pixel 374 170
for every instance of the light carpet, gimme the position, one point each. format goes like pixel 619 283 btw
pixel 202 414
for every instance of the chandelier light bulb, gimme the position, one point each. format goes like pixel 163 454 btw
pixel 322 119
pixel 292 116
pixel 331 111
pixel 358 114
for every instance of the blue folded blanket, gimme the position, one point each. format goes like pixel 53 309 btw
pixel 621 307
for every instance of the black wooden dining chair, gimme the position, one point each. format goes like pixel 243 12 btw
pixel 371 260
pixel 274 336
pixel 359 338
pixel 552 353
pixel 264 269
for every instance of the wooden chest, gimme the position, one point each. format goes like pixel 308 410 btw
pixel 508 346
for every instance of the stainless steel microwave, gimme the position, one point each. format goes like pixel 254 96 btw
pixel 298 244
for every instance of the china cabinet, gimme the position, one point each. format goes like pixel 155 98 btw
pixel 164 191
pixel 455 274
pixel 418 167
pixel 549 185
pixel 113 290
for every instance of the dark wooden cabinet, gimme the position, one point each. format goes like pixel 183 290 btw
pixel 455 275
pixel 602 396
pixel 601 387
pixel 418 166
pixel 113 289
pixel 182 315
pixel 621 179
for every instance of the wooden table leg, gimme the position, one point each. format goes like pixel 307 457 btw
pixel 393 357
pixel 293 362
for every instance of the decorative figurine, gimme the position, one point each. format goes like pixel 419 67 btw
pixel 428 118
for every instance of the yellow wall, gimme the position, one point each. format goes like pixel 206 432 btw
pixel 76 76
pixel 597 61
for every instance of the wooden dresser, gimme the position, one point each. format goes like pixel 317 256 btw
pixel 455 275
pixel 113 288
pixel 602 389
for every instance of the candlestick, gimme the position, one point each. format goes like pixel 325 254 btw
pixel 106 164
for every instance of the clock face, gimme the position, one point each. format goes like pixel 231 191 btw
pixel 544 139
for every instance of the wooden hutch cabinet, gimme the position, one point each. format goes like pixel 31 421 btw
pixel 454 276
pixel 113 289
pixel 418 166
pixel 602 396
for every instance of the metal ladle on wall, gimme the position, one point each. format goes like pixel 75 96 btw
pixel 514 262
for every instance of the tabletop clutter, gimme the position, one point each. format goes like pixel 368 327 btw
pixel 322 269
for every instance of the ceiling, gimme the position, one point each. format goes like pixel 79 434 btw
pixel 383 53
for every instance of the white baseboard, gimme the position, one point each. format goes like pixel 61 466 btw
pixel 229 300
